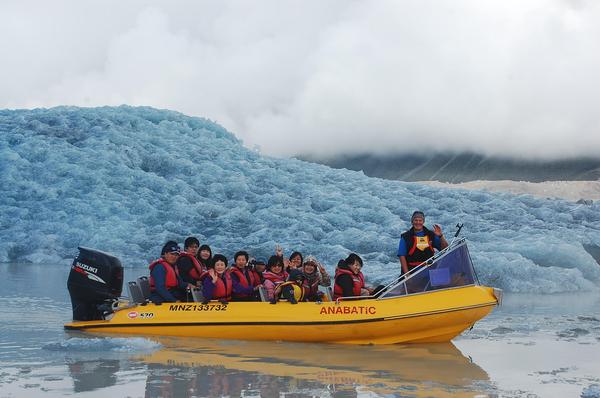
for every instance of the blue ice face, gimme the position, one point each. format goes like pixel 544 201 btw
pixel 125 180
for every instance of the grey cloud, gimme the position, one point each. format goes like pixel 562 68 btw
pixel 498 77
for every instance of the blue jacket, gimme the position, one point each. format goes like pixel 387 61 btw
pixel 161 294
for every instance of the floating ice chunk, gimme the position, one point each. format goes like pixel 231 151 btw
pixel 501 330
pixel 592 391
pixel 107 344
pixel 573 333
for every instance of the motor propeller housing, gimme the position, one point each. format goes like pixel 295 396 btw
pixel 95 279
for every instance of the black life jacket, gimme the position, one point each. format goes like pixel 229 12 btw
pixel 416 254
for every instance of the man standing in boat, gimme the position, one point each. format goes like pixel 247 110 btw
pixel 418 243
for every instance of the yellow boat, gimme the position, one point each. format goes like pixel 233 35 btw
pixel 435 303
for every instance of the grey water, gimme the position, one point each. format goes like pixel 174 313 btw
pixel 531 346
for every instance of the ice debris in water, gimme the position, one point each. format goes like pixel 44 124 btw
pixel 501 330
pixel 108 344
pixel 125 180
pixel 588 318
pixel 573 333
pixel 592 391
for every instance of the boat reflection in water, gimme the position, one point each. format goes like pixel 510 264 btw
pixel 188 367
pixel 93 374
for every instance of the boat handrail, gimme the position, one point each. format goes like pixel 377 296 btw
pixel 453 245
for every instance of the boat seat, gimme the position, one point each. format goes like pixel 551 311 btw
pixel 439 277
pixel 262 291
pixel 144 284
pixel 197 295
pixel 135 292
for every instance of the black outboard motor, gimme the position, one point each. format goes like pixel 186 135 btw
pixel 95 279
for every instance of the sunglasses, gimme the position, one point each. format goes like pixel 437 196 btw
pixel 174 253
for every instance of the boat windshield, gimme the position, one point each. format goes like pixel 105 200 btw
pixel 450 268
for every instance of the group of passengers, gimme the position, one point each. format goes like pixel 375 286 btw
pixel 177 272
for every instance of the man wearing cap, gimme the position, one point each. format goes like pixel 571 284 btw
pixel 166 286
pixel 418 243
pixel 259 265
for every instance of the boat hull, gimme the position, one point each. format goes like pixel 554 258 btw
pixel 429 317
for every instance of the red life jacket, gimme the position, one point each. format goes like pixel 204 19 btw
pixel 223 287
pixel 275 278
pixel 357 280
pixel 252 280
pixel 170 278
pixel 198 270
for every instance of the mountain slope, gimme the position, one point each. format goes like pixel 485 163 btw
pixel 457 168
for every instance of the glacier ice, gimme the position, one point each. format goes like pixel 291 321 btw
pixel 126 179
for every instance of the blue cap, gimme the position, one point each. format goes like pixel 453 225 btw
pixel 170 247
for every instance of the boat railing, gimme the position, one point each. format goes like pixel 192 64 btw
pixel 449 268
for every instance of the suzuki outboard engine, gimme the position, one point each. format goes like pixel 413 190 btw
pixel 96 278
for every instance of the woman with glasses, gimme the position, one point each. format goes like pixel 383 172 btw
pixel 274 275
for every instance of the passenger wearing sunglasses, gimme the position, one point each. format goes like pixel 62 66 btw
pixel 166 286
pixel 274 275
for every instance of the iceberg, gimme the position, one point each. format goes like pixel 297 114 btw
pixel 126 179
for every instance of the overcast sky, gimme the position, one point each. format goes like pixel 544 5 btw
pixel 501 77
